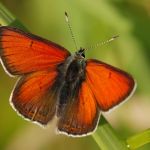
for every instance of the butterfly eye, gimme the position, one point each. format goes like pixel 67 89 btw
pixel 83 55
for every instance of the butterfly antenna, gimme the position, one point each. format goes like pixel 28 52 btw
pixel 103 43
pixel 70 28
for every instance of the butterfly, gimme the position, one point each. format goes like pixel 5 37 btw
pixel 53 82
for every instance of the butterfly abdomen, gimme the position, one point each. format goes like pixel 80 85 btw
pixel 71 81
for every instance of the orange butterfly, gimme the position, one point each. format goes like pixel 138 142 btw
pixel 52 81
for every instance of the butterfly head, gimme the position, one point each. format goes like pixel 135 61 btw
pixel 80 53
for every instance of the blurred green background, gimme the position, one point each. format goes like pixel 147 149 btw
pixel 92 22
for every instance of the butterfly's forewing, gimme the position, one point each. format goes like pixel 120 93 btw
pixel 34 98
pixel 109 85
pixel 81 114
pixel 36 59
pixel 23 52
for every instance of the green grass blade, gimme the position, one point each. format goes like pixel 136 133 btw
pixel 106 138
pixel 139 139
pixel 6 18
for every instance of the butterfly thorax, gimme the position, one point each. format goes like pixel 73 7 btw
pixel 73 64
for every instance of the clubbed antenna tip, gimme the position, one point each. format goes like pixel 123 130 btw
pixel 70 28
pixel 66 16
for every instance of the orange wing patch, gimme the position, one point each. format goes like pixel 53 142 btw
pixel 109 84
pixel 80 115
pixel 24 52
pixel 33 97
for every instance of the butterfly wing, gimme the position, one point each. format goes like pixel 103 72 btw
pixel 109 85
pixel 34 98
pixel 81 114
pixel 23 52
